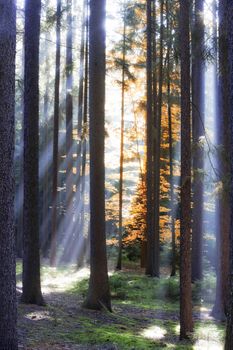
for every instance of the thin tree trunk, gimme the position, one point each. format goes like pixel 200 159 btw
pixel 83 238
pixel 197 133
pixel 169 112
pixel 31 256
pixel 56 137
pixel 81 101
pixel 158 145
pixel 229 12
pixel 8 309
pixel 223 209
pixel 69 111
pixel 119 259
pixel 45 232
pixel 151 268
pixel 98 294
pixel 186 321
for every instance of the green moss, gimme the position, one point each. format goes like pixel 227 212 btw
pixel 119 335
pixel 141 305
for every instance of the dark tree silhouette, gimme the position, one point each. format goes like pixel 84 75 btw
pixel 98 294
pixel 152 268
pixel 186 322
pixel 55 136
pixel 198 132
pixel 8 315
pixel 119 259
pixel 229 13
pixel 31 255
pixel 223 209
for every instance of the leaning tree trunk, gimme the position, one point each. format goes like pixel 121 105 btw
pixel 8 314
pixel 186 322
pixel 98 294
pixel 31 255
pixel 56 137
pixel 197 133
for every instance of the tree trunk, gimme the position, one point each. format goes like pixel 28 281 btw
pixel 151 267
pixel 226 15
pixel 223 201
pixel 8 311
pixel 83 237
pixel 119 259
pixel 98 294
pixel 157 149
pixel 169 112
pixel 56 136
pixel 186 322
pixel 69 113
pixel 31 256
pixel 197 133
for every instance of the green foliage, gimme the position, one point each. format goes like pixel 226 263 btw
pixel 204 291
pixel 133 251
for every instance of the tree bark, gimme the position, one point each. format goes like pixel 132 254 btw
pixel 69 112
pixel 31 254
pixel 186 322
pixel 151 267
pixel 83 151
pixel 98 294
pixel 169 112
pixel 56 136
pixel 197 133
pixel 228 15
pixel 223 210
pixel 8 311
pixel 119 259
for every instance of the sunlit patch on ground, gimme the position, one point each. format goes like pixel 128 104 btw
pixel 207 345
pixel 38 315
pixel 154 333
pixel 57 281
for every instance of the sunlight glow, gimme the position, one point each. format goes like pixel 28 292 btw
pixel 207 345
pixel 154 333
pixel 53 281
pixel 38 315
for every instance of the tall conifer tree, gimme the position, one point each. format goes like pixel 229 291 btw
pixel 8 315
pixel 31 253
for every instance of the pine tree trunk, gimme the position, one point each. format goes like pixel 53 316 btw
pixel 197 133
pixel 8 313
pixel 119 259
pixel 186 322
pixel 56 137
pixel 151 268
pixel 69 112
pixel 228 11
pixel 223 210
pixel 31 256
pixel 157 150
pixel 82 237
pixel 98 294
pixel 169 112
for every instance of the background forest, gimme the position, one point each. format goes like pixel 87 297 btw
pixel 116 174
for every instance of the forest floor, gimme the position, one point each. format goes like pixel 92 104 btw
pixel 145 315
